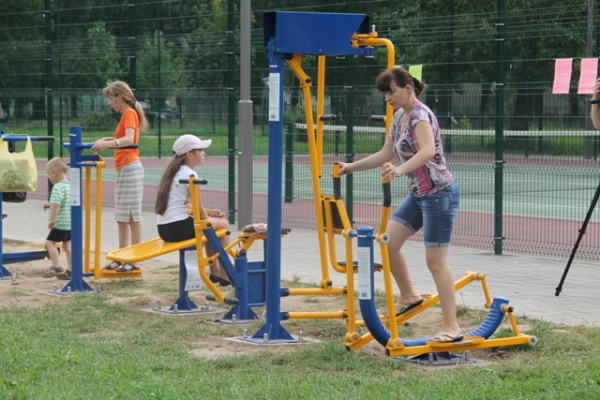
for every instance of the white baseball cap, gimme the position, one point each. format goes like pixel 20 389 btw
pixel 186 143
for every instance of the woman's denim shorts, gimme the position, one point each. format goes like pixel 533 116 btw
pixel 434 213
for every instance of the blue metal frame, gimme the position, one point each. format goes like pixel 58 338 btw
pixel 247 278
pixel 77 159
pixel 272 330
pixel 184 303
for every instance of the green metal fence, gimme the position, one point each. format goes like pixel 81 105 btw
pixel 525 159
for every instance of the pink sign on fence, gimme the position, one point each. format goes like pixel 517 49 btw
pixel 587 76
pixel 562 75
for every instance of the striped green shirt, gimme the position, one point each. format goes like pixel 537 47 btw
pixel 61 194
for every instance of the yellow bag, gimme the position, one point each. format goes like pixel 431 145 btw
pixel 18 172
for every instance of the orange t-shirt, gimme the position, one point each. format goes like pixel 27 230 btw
pixel 130 119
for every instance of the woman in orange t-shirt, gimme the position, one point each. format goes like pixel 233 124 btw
pixel 129 189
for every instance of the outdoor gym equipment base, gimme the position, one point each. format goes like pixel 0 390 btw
pixel 478 338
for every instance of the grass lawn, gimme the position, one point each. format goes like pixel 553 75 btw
pixel 103 346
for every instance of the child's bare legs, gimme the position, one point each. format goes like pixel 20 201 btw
pixel 437 261
pixel 398 266
pixel 55 268
pixel 67 249
pixel 53 253
pixel 215 268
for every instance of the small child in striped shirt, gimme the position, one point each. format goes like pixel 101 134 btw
pixel 59 220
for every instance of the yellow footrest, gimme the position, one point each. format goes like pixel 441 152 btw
pixel 105 273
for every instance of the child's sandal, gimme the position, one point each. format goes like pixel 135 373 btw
pixel 53 271
pixel 64 277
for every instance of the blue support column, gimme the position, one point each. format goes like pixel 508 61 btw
pixel 272 330
pixel 366 284
pixel 184 303
pixel 76 284
pixel 241 313
pixel 247 279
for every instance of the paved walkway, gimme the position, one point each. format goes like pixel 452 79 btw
pixel 528 282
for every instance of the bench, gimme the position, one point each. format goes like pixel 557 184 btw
pixel 157 247
pixel 154 248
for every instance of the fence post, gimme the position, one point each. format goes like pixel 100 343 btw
pixel 49 75
pixel 499 158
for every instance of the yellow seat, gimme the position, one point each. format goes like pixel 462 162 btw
pixel 154 248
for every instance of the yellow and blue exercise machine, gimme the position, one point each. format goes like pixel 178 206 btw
pixel 82 166
pixel 243 276
pixel 287 37
pixel 385 329
pixel 248 278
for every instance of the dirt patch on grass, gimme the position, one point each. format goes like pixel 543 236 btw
pixel 159 286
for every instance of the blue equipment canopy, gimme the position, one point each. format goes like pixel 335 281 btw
pixel 315 33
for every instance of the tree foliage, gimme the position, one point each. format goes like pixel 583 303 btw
pixel 180 44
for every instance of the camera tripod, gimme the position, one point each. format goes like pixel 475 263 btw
pixel 581 233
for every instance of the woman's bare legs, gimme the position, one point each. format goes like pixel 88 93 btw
pixel 135 228
pixel 437 262
pixel 124 234
pixel 130 232
pixel 398 266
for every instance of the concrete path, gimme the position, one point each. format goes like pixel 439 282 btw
pixel 528 282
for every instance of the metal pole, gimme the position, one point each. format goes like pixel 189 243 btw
pixel 76 284
pixel 60 96
pixel 350 69
pixel 231 150
pixel 499 157
pixel 589 53
pixel 245 123
pixel 132 44
pixel 272 329
pixel 49 77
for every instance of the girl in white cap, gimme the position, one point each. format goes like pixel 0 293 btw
pixel 175 224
